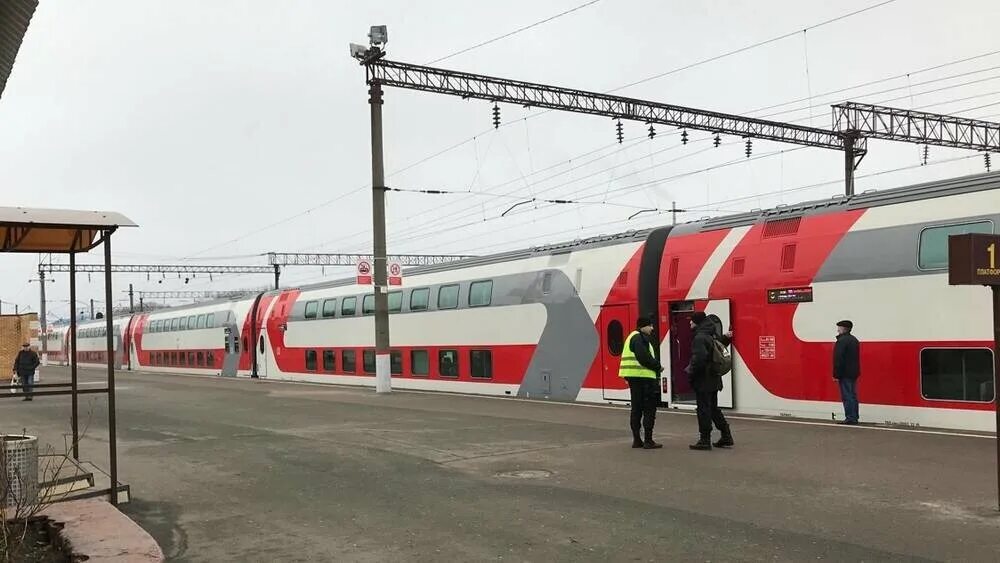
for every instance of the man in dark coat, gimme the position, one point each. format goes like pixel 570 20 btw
pixel 24 366
pixel 707 382
pixel 847 369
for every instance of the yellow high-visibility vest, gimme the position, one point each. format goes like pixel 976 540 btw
pixel 630 366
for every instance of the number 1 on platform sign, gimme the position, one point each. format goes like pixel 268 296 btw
pixel 992 249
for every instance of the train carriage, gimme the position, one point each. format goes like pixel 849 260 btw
pixel 550 322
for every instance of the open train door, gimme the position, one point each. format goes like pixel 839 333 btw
pixel 720 308
pixel 677 390
pixel 614 326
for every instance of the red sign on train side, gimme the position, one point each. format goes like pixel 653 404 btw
pixel 974 259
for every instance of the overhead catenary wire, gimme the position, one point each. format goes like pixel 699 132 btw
pixel 514 32
pixel 454 146
pixel 622 190
pixel 884 91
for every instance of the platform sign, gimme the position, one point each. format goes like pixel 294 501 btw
pixel 974 259
pixel 364 272
pixel 395 273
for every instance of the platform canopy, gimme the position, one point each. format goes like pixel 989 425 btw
pixel 56 231
pixel 14 18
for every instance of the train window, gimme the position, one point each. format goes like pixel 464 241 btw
pixel 201 359
pixel 957 374
pixel 312 307
pixel 481 363
pixel 210 320
pixel 933 252
pixel 349 307
pixel 174 324
pixel 448 363
pixel 368 305
pixel 191 358
pixel 329 308
pixel 368 361
pixel 159 359
pixel 184 323
pixel 396 362
pixel 480 293
pixel 311 360
pixel 675 265
pixel 192 322
pixel 448 297
pixel 201 321
pixel 173 358
pixel 329 360
pixel 616 338
pixel 183 359
pixel 210 358
pixel 788 258
pixel 395 301
pixel 419 362
pixel 419 298
pixel 348 360
pixel 547 283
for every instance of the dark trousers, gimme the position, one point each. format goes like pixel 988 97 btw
pixel 849 396
pixel 27 380
pixel 709 412
pixel 645 398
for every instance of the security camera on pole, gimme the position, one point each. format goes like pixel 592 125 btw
pixel 378 37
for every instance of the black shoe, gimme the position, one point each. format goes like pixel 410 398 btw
pixel 651 445
pixel 726 441
pixel 702 444
pixel 636 443
pixel 848 422
pixel 26 399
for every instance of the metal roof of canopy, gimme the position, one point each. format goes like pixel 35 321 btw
pixel 15 16
pixel 25 229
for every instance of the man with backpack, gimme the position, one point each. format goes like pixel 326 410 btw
pixel 710 360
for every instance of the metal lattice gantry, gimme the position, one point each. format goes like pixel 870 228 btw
pixel 160 269
pixel 468 85
pixel 335 259
pixel 895 124
pixel 168 269
pixel 208 294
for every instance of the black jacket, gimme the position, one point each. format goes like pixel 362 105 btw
pixel 846 357
pixel 25 362
pixel 700 374
pixel 639 345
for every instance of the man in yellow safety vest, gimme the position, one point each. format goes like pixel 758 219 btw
pixel 642 371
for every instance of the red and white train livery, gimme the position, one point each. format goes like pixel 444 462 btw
pixel 549 322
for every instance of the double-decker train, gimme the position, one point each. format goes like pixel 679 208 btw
pixel 550 322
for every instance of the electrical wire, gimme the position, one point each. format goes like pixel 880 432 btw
pixel 514 32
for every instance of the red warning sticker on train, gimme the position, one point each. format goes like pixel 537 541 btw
pixel 767 347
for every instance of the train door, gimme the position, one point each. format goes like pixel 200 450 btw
pixel 231 356
pixel 128 338
pixel 681 336
pixel 615 326
pixel 262 354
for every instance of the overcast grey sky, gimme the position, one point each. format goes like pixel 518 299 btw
pixel 208 122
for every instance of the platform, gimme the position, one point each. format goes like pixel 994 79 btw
pixel 224 469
